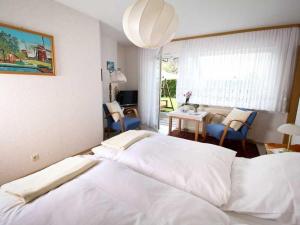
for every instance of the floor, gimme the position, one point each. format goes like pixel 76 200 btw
pixel 164 123
pixel 250 152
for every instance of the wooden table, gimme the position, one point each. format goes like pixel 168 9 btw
pixel 272 146
pixel 199 117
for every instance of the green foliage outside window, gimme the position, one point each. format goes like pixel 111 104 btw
pixel 172 88
pixel 170 71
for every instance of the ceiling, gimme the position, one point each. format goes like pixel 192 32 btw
pixel 200 16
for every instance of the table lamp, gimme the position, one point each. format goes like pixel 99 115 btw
pixel 116 77
pixel 289 129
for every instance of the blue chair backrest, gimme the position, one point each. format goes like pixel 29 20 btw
pixel 110 120
pixel 244 129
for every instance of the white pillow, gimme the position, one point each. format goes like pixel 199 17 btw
pixel 201 169
pixel 37 184
pixel 115 107
pixel 267 187
pixel 237 114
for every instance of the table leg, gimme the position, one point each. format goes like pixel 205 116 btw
pixel 197 131
pixel 170 124
pixel 179 125
pixel 204 129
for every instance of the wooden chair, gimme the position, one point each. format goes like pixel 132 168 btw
pixel 131 120
pixel 222 132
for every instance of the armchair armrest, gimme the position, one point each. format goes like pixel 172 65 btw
pixel 110 114
pixel 214 115
pixel 228 125
pixel 121 120
pixel 132 110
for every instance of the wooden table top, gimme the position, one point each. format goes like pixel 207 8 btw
pixel 270 146
pixel 190 115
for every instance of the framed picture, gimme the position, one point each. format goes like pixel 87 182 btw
pixel 26 52
pixel 110 66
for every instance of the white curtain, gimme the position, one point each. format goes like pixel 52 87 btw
pixel 250 70
pixel 149 87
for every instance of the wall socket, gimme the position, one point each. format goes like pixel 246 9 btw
pixel 35 157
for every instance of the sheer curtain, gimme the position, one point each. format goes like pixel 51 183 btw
pixel 251 70
pixel 149 87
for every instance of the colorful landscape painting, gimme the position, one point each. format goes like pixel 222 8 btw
pixel 25 52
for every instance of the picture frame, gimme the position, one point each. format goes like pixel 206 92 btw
pixel 26 52
pixel 110 66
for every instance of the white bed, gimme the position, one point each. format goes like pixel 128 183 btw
pixel 164 180
pixel 239 218
pixel 111 194
pixel 264 190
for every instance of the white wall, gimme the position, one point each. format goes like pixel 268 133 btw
pixel 55 117
pixel 109 52
pixel 264 129
pixel 125 58
pixel 121 56
pixel 128 62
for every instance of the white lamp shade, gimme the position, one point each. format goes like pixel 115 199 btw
pixel 118 77
pixel 150 23
pixel 290 129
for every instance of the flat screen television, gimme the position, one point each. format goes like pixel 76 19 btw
pixel 127 98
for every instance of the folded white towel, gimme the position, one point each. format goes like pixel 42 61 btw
pixel 30 187
pixel 126 139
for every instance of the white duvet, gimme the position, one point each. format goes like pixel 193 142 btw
pixel 111 194
pixel 267 187
pixel 201 169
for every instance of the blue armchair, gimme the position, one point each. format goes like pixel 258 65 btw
pixel 125 123
pixel 222 132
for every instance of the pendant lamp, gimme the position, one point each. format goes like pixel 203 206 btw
pixel 150 23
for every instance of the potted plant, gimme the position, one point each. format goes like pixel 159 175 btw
pixel 187 97
pixel 186 106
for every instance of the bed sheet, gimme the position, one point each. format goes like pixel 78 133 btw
pixel 111 194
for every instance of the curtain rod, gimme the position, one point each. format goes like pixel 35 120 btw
pixel 236 32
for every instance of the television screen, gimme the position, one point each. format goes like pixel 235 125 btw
pixel 127 98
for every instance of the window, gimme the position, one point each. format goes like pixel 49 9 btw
pixel 249 70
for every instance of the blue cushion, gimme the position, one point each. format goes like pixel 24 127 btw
pixel 110 120
pixel 216 131
pixel 129 122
